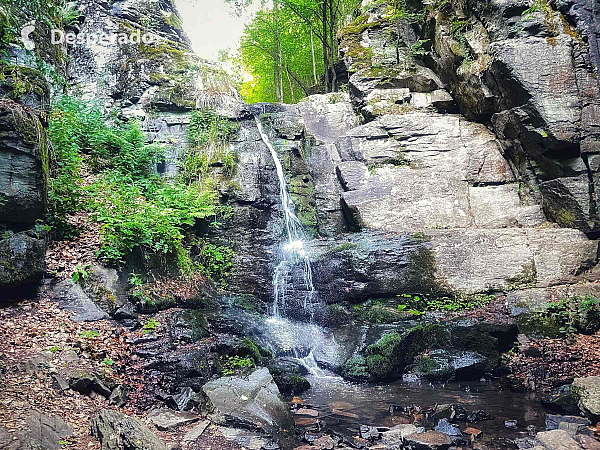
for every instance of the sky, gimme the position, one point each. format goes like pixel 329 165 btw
pixel 211 26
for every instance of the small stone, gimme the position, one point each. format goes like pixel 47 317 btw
pixel 478 416
pixel 474 432
pixel 307 412
pixel 443 426
pixel 118 397
pixel 429 440
pixel 305 421
pixel 511 424
pixel 324 443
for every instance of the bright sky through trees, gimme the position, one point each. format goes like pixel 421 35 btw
pixel 211 26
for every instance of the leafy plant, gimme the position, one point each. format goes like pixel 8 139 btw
pixel 108 362
pixel 80 273
pixel 151 325
pixel 89 334
pixel 234 364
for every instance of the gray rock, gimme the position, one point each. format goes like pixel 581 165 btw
pixel 107 289
pixel 443 426
pixel 46 431
pixel 561 400
pixel 21 260
pixel 117 431
pixel 394 438
pixel 553 422
pixel 557 440
pixel 588 391
pixel 21 176
pixel 196 432
pixel 251 402
pixel 167 419
pixel 118 396
pixel 187 399
pixel 71 297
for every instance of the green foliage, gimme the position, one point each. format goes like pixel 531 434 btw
pixel 108 362
pixel 150 216
pixel 530 12
pixel 399 10
pixel 151 325
pixel 418 49
pixel 235 364
pixel 566 317
pixel 209 136
pixel 216 262
pixel 80 273
pixel 89 334
pixel 138 210
pixel 459 302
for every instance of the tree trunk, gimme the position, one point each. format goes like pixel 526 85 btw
pixel 325 45
pixel 277 54
pixel 312 50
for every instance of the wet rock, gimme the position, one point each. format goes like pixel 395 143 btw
pixel 562 401
pixel 557 439
pixel 511 424
pixel 553 422
pixel 166 419
pixel 324 443
pixel 369 433
pixel 443 426
pixel 526 442
pixel 46 431
pixel 291 384
pixel 429 440
pixel 284 366
pixel 473 432
pixel 71 297
pixel 22 259
pixel 187 326
pixel 587 390
pixel 251 402
pixel 478 416
pixel 116 430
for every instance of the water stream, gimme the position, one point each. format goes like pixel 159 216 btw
pixel 293 250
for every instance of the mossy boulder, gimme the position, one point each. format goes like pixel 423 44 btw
pixel 291 384
pixel 457 350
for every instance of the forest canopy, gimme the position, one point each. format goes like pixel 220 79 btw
pixel 290 48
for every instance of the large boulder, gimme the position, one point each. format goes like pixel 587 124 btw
pixel 21 259
pixel 251 402
pixel 587 390
pixel 116 431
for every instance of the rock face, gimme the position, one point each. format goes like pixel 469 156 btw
pixel 117 431
pixel 251 402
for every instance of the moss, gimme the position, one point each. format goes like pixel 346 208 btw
pixel 379 366
pixel 526 279
pixel 343 247
pixel 377 313
pixel 359 25
pixel 337 315
pixel 24 80
pixel 563 217
pixel 571 31
pixel 291 384
pixel 356 369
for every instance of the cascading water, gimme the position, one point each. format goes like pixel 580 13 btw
pixel 292 254
pixel 293 251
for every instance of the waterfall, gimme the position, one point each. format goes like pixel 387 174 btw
pixel 293 251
